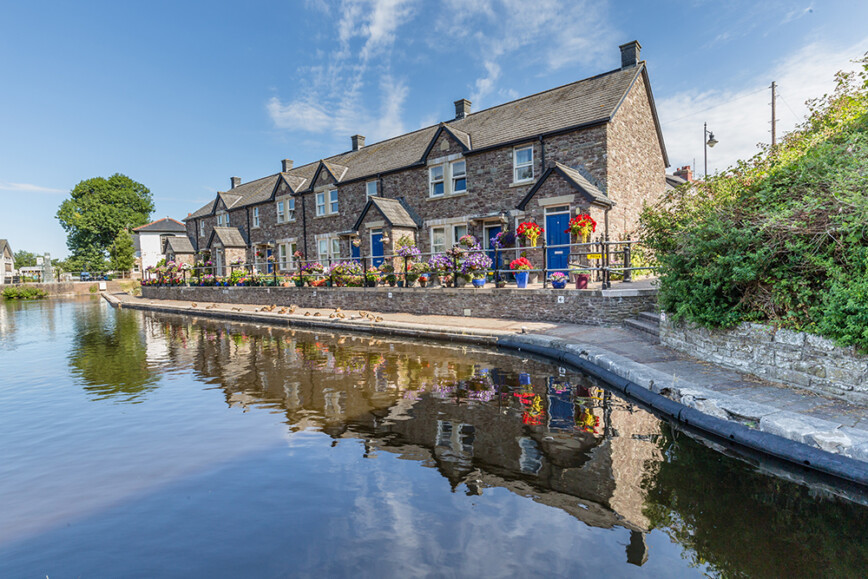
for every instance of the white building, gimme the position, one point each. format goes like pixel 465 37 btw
pixel 7 262
pixel 150 241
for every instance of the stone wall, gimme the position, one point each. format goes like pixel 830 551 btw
pixel 794 358
pixel 593 307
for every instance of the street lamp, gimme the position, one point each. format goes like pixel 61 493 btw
pixel 709 142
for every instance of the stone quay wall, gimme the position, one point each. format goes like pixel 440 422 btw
pixel 794 358
pixel 592 307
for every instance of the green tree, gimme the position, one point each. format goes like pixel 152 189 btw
pixel 96 211
pixel 24 259
pixel 122 252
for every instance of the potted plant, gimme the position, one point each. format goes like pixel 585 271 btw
pixel 582 226
pixel 372 276
pixel 521 267
pixel 476 265
pixel 582 278
pixel 558 279
pixel 530 231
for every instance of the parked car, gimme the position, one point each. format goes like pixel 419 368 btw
pixel 85 276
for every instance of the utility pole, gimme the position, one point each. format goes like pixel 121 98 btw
pixel 774 86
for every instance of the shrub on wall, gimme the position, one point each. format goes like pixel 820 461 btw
pixel 781 237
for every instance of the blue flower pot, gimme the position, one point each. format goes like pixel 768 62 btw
pixel 559 284
pixel 521 278
pixel 479 282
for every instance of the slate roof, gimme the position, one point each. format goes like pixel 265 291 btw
pixel 394 211
pixel 673 181
pixel 164 225
pixel 228 237
pixel 584 102
pixel 179 245
pixel 574 177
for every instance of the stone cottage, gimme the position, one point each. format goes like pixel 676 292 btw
pixel 7 262
pixel 592 146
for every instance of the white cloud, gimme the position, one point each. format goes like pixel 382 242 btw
pixel 333 102
pixel 544 35
pixel 741 119
pixel 28 188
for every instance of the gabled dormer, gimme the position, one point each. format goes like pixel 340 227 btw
pixel 328 174
pixel 446 141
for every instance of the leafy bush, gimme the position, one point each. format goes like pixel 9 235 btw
pixel 23 293
pixel 778 238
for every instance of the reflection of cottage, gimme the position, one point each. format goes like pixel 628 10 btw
pixel 593 146
pixel 150 241
pixel 7 262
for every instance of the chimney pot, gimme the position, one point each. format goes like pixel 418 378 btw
pixel 685 173
pixel 235 182
pixel 462 108
pixel 287 165
pixel 630 54
pixel 358 142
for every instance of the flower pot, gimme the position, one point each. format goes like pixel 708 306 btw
pixel 532 276
pixel 500 284
pixel 401 283
pixel 460 281
pixel 582 280
pixel 521 278
pixel 479 282
pixel 559 284
pixel 299 284
pixel 423 281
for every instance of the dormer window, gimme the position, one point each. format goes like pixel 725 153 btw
pixel 256 217
pixel 333 201
pixel 201 228
pixel 327 203
pixel 459 177
pixel 522 164
pixel 223 219
pixel 371 189
pixel 286 210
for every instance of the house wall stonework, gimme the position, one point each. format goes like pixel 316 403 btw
pixel 636 170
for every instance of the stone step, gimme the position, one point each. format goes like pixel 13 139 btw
pixel 646 327
pixel 651 317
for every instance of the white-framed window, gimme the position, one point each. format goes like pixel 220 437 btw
pixel 333 201
pixel 286 210
pixel 436 181
pixel 320 204
pixel 329 248
pixel 458 231
pixel 285 251
pixel 256 217
pixel 223 219
pixel 371 189
pixel 202 228
pixel 459 177
pixel 438 239
pixel 522 164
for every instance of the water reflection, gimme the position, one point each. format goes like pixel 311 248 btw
pixel 110 354
pixel 485 420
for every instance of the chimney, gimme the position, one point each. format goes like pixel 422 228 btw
pixel 235 182
pixel 287 165
pixel 462 108
pixel 358 142
pixel 630 54
pixel 685 173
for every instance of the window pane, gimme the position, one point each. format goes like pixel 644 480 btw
pixel 336 247
pixel 460 185
pixel 458 169
pixel 437 173
pixel 291 204
pixel 523 156
pixel 323 247
pixel 459 231
pixel 523 173
pixel 371 188
pixel 333 195
pixel 437 189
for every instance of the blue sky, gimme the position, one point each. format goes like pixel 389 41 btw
pixel 183 95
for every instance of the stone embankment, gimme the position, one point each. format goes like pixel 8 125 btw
pixel 793 358
pixel 591 307
pixel 825 435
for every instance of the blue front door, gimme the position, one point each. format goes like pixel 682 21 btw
pixel 356 252
pixel 270 265
pixel 556 235
pixel 377 248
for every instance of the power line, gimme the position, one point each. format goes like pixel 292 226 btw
pixel 715 106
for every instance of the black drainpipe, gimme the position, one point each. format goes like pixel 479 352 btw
pixel 542 153
pixel 303 224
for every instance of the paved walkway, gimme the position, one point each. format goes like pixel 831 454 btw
pixel 821 421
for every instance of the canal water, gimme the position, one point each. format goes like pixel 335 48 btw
pixel 145 445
